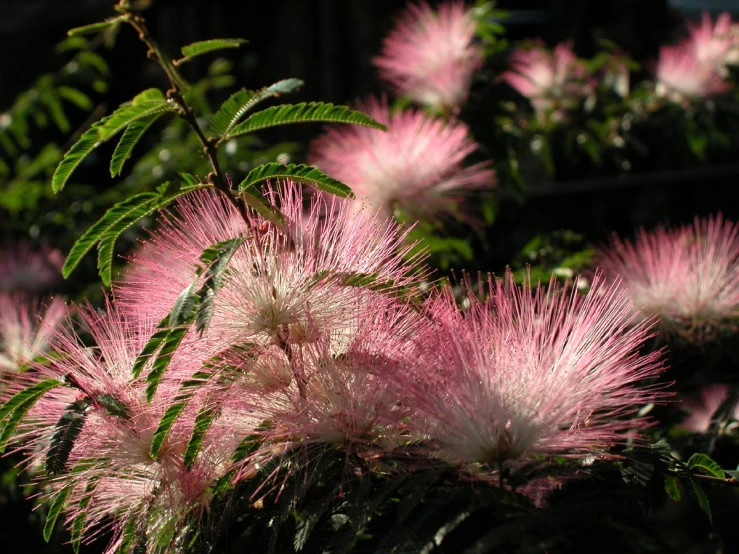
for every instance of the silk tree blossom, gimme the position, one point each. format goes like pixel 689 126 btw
pixel 27 270
pixel 683 77
pixel 26 327
pixel 415 166
pixel 110 460
pixel 552 80
pixel 702 407
pixel 532 372
pixel 714 44
pixel 430 55
pixel 342 394
pixel 285 283
pixel 688 276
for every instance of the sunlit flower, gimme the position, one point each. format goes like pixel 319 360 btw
pixel 93 432
pixel 26 327
pixel 532 372
pixel 688 276
pixel 712 42
pixel 285 282
pixel 553 80
pixel 703 407
pixel 682 76
pixel 415 166
pixel 23 269
pixel 430 56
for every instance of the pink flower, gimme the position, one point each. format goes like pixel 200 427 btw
pixel 712 43
pixel 285 283
pixel 703 407
pixel 415 166
pixel 682 76
pixel 688 276
pixel 26 327
pixel 551 79
pixel 532 372
pixel 430 56
pixel 22 269
pixel 110 459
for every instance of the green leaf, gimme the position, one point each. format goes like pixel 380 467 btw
pixel 115 221
pixel 218 257
pixel 240 102
pixel 78 524
pixel 187 389
pixel 696 493
pixel 35 391
pixel 97 27
pixel 151 347
pixel 114 406
pixel 73 158
pixel 706 465
pixel 310 112
pixel 165 425
pixel 76 97
pixel 672 487
pixel 164 356
pixel 256 200
pixel 184 306
pixel 56 508
pixel 299 173
pixel 131 136
pixel 14 420
pixel 66 432
pixel 148 103
pixel 203 421
pixel 205 46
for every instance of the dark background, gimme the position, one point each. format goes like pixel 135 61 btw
pixel 329 44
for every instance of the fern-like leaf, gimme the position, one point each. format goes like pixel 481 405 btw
pixel 66 432
pixel 151 347
pixel 311 112
pixel 131 136
pixel 203 421
pixel 299 173
pixel 78 524
pixel 35 391
pixel 56 508
pixel 706 465
pixel 115 221
pixel 114 406
pixel 206 46
pixel 76 154
pixel 149 103
pixel 163 357
pixel 240 102
pixel 254 197
pixel 97 27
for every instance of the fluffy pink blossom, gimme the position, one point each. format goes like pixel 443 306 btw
pixel 688 276
pixel 26 327
pixel 110 460
pixel 430 56
pixel 23 269
pixel 415 166
pixel 703 407
pixel 285 282
pixel 552 80
pixel 712 43
pixel 532 372
pixel 681 76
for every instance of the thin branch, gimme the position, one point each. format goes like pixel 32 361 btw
pixel 178 85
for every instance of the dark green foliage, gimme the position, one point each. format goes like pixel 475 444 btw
pixel 114 406
pixel 116 220
pixel 66 432
pixel 204 419
pixel 298 173
pixel 211 45
pixel 16 407
pixel 53 514
pixel 236 107
pixel 310 112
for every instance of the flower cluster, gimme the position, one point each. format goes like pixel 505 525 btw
pixel 315 336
